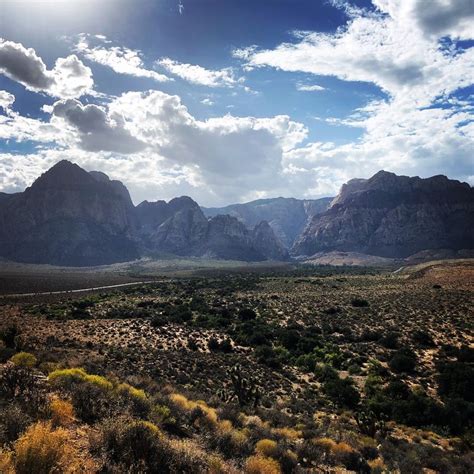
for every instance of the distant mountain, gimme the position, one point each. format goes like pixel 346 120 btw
pixel 73 217
pixel 287 216
pixel 69 217
pixel 180 227
pixel 267 243
pixel 393 216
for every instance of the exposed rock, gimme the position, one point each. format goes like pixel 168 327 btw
pixel 73 217
pixel 68 217
pixel 286 216
pixel 188 232
pixel 183 232
pixel 393 216
pixel 267 243
pixel 228 238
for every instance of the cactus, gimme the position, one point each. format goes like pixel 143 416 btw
pixel 245 389
pixel 370 424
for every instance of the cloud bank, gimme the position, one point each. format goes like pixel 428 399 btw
pixel 419 124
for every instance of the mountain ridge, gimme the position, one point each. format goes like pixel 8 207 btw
pixel 69 216
pixel 393 216
pixel 286 216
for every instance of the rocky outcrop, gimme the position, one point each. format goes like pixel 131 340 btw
pixel 228 238
pixel 393 216
pixel 173 227
pixel 73 217
pixel 183 232
pixel 286 216
pixel 188 232
pixel 267 243
pixel 69 217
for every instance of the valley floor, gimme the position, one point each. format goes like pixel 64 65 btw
pixel 301 369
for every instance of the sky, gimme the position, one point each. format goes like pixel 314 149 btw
pixel 233 100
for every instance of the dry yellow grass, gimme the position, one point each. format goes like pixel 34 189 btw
pixel 325 443
pixel 209 417
pixel 181 401
pixel 6 464
pixel 238 438
pixel 266 447
pixel 62 412
pixel 288 433
pixel 341 448
pixel 225 426
pixel 377 466
pixel 262 465
pixel 42 449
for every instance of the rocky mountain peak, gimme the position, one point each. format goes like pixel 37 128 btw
pixel 182 202
pixel 393 216
pixel 63 175
pixel 267 242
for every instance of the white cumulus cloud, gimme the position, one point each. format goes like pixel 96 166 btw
pixel 120 59
pixel 69 77
pixel 199 75
pixel 420 128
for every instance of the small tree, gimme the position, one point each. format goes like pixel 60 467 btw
pixel 244 388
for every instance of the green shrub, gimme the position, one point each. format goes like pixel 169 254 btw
pixel 135 399
pixel 422 338
pixel 390 340
pixel 342 392
pixel 93 396
pixel 247 314
pixel 403 360
pixel 139 446
pixel 359 303
pixel 92 403
pixel 9 336
pixel 456 380
pixel 325 372
pixel 24 359
pixel 23 385
pixel 68 378
pixel 13 422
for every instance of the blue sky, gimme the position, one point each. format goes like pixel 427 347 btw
pixel 231 100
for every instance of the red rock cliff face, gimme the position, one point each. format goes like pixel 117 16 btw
pixel 393 216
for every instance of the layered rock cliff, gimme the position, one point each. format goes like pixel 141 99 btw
pixel 393 216
pixel 69 217
pixel 286 216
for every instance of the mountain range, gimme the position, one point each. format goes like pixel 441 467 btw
pixel 73 217
pixel 69 216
